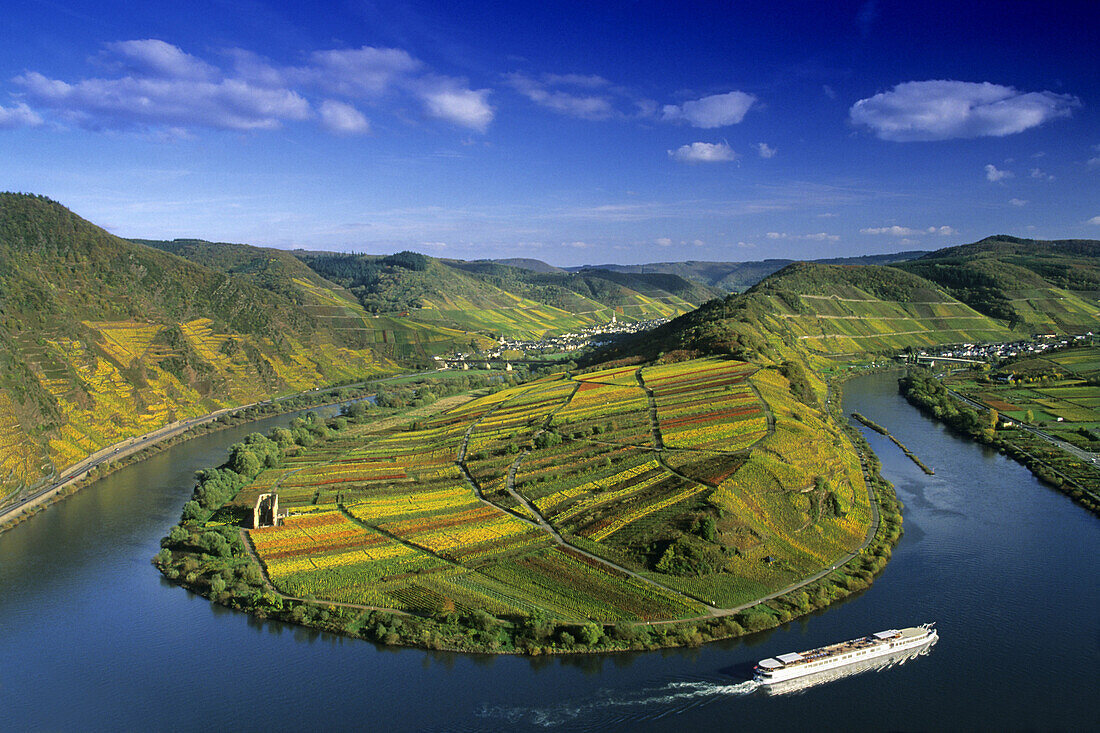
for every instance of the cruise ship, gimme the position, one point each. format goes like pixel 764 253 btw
pixel 882 643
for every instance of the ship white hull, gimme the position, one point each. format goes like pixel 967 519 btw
pixel 855 656
pixel 877 664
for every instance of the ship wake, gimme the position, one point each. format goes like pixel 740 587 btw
pixel 607 706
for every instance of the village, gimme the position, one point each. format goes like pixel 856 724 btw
pixel 509 350
pixel 992 353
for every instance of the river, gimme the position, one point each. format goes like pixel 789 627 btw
pixel 91 637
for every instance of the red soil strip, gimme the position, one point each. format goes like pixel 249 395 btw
pixel 322 547
pixel 308 522
pixel 417 526
pixel 682 422
pixel 354 479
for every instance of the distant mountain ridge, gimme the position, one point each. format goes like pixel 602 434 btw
pixel 491 297
pixel 739 276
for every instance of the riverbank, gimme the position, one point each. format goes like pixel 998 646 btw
pixel 208 554
pixel 107 460
pixel 926 393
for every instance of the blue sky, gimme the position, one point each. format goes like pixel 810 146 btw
pixel 573 132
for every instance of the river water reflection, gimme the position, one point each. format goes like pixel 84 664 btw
pixel 91 638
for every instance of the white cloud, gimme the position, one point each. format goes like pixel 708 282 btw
pixel 1094 162
pixel 153 57
pixel 703 153
pixel 746 245
pixel 944 110
pixel 1018 202
pixel 365 71
pixel 816 237
pixel 343 119
pixel 588 81
pixel 717 110
pixel 993 174
pixel 587 107
pixel 900 231
pixel 698 242
pixel 893 231
pixel 765 150
pixel 255 69
pixel 160 86
pixel 1041 174
pixel 664 241
pixel 449 100
pixel 1095 220
pixel 829 91
pixel 18 116
pixel 229 104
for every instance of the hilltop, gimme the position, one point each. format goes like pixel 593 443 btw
pixel 494 298
pixel 1030 284
pixel 392 334
pixel 739 276
pixel 998 289
pixel 412 306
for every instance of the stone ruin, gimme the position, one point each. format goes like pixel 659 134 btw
pixel 266 511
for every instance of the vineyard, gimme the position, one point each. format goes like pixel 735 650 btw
pixel 91 385
pixel 617 495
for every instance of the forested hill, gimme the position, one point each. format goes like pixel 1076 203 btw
pixel 1030 284
pixel 495 298
pixel 271 269
pixel 739 276
pixel 103 338
pixel 995 290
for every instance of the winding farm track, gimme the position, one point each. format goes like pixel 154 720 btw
pixel 540 521
pixel 654 423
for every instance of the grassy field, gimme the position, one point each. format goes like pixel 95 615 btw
pixel 674 484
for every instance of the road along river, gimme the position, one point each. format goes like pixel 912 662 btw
pixel 91 638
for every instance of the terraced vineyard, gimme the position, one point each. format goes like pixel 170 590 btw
pixel 618 495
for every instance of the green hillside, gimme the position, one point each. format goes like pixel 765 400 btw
pixel 1035 286
pixel 102 339
pixel 393 335
pixel 492 298
pixel 827 312
pixel 737 277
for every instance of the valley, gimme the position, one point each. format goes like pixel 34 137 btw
pixel 693 477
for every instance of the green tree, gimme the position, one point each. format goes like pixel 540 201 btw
pixel 217 585
pixel 590 634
